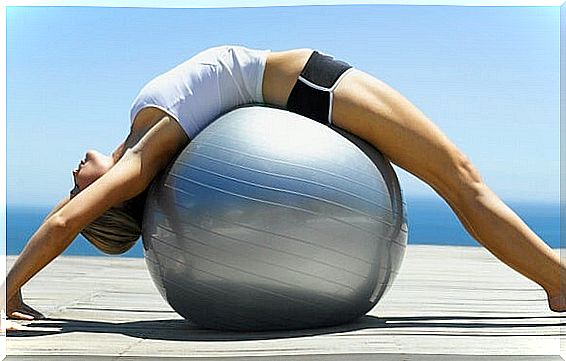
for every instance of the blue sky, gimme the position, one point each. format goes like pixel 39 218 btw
pixel 487 76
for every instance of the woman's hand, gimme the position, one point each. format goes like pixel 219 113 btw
pixel 127 178
pixel 17 309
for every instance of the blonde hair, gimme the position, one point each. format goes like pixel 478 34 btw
pixel 117 229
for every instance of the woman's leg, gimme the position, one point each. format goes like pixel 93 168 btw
pixel 372 110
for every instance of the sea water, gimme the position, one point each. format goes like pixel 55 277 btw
pixel 430 221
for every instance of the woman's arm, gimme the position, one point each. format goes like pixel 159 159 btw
pixel 59 205
pixel 127 178
pixel 16 306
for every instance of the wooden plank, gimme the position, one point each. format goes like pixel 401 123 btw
pixel 456 301
pixel 337 357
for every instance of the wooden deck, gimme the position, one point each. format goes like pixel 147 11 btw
pixel 449 303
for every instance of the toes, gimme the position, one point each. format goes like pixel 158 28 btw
pixel 557 303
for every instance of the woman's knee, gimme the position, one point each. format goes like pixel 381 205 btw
pixel 460 182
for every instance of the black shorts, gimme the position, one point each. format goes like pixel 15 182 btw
pixel 312 94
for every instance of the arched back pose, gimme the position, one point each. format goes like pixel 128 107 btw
pixel 174 107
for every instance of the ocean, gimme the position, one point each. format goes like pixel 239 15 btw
pixel 430 221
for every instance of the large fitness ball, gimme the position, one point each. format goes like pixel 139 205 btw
pixel 269 220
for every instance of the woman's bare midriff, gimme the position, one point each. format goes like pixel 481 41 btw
pixel 281 72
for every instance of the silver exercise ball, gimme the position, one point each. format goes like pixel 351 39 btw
pixel 269 221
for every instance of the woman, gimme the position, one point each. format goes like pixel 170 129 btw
pixel 169 111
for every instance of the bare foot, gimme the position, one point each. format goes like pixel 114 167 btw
pixel 557 302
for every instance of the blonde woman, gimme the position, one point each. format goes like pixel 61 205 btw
pixel 107 200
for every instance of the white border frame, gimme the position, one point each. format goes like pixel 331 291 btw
pixel 179 4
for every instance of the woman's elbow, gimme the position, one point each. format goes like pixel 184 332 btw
pixel 60 229
pixel 58 223
pixel 138 184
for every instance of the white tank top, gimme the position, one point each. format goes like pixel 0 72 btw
pixel 206 86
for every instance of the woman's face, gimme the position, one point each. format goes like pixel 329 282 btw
pixel 92 167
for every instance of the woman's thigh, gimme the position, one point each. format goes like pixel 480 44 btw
pixel 369 108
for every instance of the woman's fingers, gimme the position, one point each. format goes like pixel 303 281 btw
pixel 25 312
pixel 17 315
pixel 31 312
pixel 17 309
